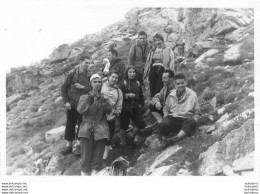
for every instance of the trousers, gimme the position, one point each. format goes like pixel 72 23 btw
pixel 172 125
pixel 73 118
pixel 155 79
pixel 91 153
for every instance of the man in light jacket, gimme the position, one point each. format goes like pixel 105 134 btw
pixel 158 101
pixel 138 54
pixel 181 112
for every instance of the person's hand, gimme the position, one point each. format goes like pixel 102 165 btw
pixel 68 106
pixel 78 86
pixel 158 105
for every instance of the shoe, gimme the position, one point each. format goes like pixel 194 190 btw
pixel 66 151
pixel 77 150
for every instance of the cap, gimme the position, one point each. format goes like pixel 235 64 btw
pixel 94 76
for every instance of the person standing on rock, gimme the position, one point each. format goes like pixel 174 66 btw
pixel 138 54
pixel 133 100
pixel 158 101
pixel 94 130
pixel 75 85
pixel 111 92
pixel 181 112
pixel 159 59
pixel 116 63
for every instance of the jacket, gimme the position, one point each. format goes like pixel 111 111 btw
pixel 94 112
pixel 187 107
pixel 137 56
pixel 118 65
pixel 167 59
pixel 115 97
pixel 69 92
pixel 131 86
pixel 161 96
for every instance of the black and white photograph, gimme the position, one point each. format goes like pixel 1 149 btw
pixel 129 90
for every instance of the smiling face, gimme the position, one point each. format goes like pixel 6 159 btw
pixel 113 79
pixel 166 79
pixel 180 84
pixel 131 74
pixel 96 84
pixel 158 42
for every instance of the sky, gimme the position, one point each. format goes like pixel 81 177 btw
pixel 31 29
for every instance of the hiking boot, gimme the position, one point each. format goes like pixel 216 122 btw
pixel 77 150
pixel 66 151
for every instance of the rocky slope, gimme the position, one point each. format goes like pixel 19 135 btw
pixel 219 64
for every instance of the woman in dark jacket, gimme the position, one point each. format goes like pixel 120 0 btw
pixel 133 99
pixel 94 132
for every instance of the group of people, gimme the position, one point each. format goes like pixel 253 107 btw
pixel 97 106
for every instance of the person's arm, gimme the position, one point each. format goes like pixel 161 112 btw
pixel 66 86
pixel 85 102
pixel 131 56
pixel 168 104
pixel 105 105
pixel 141 95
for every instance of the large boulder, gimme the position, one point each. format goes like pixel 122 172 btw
pixel 60 54
pixel 232 55
pixel 209 53
pixel 237 144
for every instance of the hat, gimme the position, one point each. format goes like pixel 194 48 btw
pixel 94 76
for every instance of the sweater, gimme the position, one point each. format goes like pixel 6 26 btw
pixel 187 107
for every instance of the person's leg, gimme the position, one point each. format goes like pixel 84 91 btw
pixel 70 130
pixel 111 125
pixel 97 155
pixel 158 114
pixel 86 153
pixel 188 127
pixel 153 80
pixel 159 84
pixel 124 122
pixel 169 126
pixel 138 121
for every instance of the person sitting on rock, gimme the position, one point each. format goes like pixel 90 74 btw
pixel 133 99
pixel 138 54
pixel 158 101
pixel 111 92
pixel 75 85
pixel 181 112
pixel 94 130
pixel 116 63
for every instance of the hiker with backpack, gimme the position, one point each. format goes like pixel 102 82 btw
pixel 159 59
pixel 138 54
pixel 94 130
pixel 133 100
pixel 111 92
pixel 75 85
